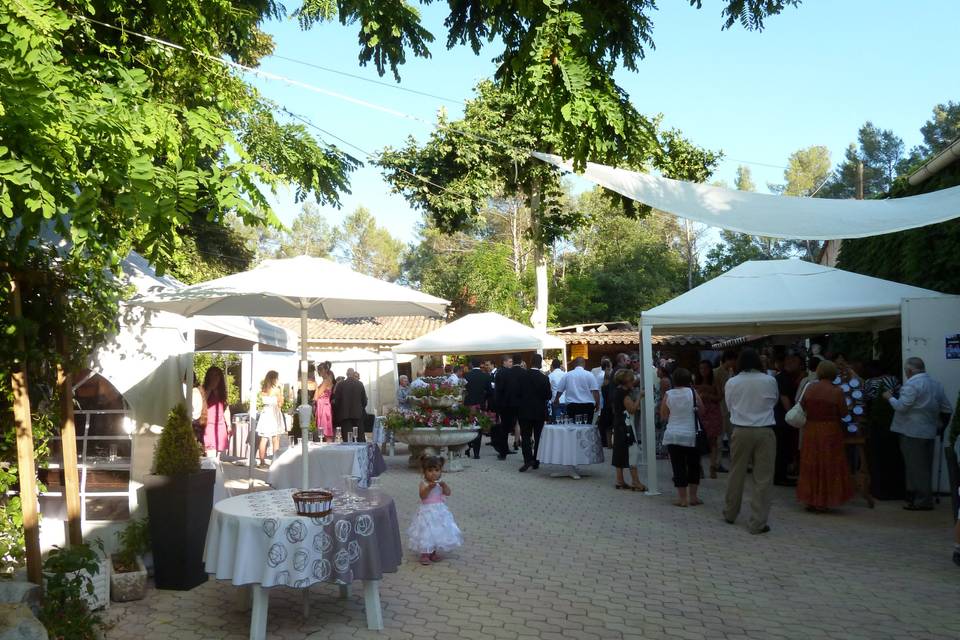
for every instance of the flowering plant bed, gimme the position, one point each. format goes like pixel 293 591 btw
pixel 456 417
pixel 434 390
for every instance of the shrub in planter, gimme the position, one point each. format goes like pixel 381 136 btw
pixel 128 581
pixel 179 501
pixel 68 586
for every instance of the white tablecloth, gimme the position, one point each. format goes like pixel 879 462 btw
pixel 219 485
pixel 570 444
pixel 328 464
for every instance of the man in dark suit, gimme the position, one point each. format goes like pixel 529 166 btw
pixel 479 389
pixel 507 385
pixel 349 406
pixel 534 396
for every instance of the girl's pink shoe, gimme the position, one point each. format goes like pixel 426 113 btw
pixel 435 557
pixel 424 559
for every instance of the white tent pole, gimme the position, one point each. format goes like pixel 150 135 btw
pixel 188 377
pixel 252 418
pixel 304 428
pixel 649 426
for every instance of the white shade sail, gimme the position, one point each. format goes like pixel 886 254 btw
pixel 284 288
pixel 480 333
pixel 784 296
pixel 770 215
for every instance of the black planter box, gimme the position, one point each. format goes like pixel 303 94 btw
pixel 179 508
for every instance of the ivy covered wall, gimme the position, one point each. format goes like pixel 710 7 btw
pixel 927 257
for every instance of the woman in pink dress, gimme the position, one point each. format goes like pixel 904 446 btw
pixel 323 409
pixel 711 418
pixel 214 416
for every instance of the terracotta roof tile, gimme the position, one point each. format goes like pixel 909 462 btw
pixel 394 329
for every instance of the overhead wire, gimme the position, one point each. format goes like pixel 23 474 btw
pixel 389 85
pixel 340 96
pixel 298 83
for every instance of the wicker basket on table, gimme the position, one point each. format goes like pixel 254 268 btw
pixel 315 503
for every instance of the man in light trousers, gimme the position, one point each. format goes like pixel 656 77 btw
pixel 751 396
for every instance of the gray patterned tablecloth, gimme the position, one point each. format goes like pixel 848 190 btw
pixel 259 539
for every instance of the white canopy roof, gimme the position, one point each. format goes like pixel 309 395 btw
pixel 784 296
pixel 480 333
pixel 770 215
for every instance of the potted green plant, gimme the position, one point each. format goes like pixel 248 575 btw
pixel 69 592
pixel 179 502
pixel 128 581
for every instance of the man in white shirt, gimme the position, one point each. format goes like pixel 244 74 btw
pixel 917 419
pixel 582 391
pixel 559 405
pixel 751 396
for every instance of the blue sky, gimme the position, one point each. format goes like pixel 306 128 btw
pixel 813 76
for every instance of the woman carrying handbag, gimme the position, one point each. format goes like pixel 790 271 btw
pixel 678 410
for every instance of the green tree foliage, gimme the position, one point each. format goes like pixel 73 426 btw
pixel 485 269
pixel 109 142
pixel 559 54
pixel 806 171
pixel 880 151
pixel 744 179
pixel 367 247
pixel 229 363
pixel 617 265
pixel 942 129
pixel 453 176
pixel 308 235
pixel 938 132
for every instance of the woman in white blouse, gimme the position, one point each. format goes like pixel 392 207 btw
pixel 677 410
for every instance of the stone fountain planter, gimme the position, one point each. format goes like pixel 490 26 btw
pixel 448 443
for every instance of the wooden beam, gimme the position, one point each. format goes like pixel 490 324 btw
pixel 68 447
pixel 25 463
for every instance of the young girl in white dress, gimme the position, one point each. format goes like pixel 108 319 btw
pixel 433 530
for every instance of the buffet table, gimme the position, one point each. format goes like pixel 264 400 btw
pixel 258 539
pixel 328 464
pixel 570 445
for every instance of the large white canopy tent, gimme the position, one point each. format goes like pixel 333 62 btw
pixel 772 297
pixel 303 287
pixel 772 215
pixel 480 333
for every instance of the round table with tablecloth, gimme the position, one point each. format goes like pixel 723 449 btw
pixel 258 539
pixel 570 445
pixel 328 464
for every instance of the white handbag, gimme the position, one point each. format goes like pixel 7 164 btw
pixel 797 417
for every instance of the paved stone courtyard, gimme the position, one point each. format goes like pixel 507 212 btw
pixel 552 559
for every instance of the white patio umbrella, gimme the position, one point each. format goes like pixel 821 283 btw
pixel 301 287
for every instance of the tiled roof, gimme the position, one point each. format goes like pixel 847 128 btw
pixel 391 329
pixel 621 336
pixel 607 337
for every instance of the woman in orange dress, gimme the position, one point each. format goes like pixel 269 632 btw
pixel 824 475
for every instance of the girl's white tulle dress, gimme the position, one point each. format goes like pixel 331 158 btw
pixel 433 528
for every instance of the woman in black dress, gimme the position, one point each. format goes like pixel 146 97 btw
pixel 623 433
